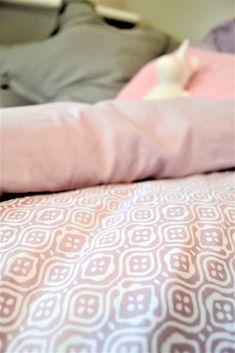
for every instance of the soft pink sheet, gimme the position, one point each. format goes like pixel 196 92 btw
pixel 146 267
pixel 66 146
pixel 215 77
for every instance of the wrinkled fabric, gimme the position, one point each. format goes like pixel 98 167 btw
pixel 86 61
pixel 65 146
pixel 146 267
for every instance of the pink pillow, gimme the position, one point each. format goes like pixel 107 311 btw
pixel 214 78
pixel 64 146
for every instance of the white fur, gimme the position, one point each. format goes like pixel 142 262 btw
pixel 174 71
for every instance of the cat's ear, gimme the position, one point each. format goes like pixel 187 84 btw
pixel 181 51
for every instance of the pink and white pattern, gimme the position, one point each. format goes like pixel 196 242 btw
pixel 145 267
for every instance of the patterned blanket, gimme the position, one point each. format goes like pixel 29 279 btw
pixel 137 268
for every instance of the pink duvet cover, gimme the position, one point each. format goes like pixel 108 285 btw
pixel 140 268
pixel 146 267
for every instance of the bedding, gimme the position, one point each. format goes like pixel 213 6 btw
pixel 87 60
pixel 131 265
pixel 125 239
pixel 141 267
pixel 215 77
pixel 64 146
pixel 10 99
pixel 221 38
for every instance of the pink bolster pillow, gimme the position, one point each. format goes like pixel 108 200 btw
pixel 63 146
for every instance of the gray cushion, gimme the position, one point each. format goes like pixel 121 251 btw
pixel 11 99
pixel 87 60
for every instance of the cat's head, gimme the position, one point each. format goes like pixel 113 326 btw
pixel 177 67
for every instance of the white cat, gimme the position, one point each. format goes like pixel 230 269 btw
pixel 174 71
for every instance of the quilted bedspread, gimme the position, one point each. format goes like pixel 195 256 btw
pixel 126 268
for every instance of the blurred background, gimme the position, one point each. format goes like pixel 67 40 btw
pixel 24 20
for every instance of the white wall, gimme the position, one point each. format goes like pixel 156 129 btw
pixel 183 18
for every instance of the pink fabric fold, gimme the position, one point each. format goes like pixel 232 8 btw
pixel 215 77
pixel 65 146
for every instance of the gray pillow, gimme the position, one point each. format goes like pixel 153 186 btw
pixel 11 99
pixel 86 61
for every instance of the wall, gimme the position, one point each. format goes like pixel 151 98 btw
pixel 112 3
pixel 25 23
pixel 183 18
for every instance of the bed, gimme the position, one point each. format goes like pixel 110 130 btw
pixel 118 221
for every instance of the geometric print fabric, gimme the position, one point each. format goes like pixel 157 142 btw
pixel 142 267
